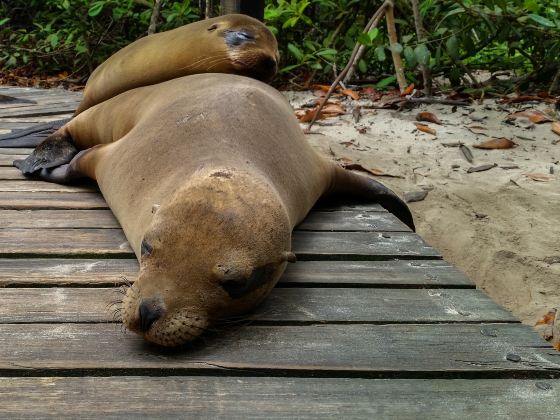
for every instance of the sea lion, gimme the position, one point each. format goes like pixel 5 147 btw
pixel 208 175
pixel 236 44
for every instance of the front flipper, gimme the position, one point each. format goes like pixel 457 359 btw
pixel 56 150
pixel 364 188
pixel 31 137
pixel 64 174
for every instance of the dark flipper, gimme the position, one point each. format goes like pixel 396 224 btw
pixel 364 188
pixel 63 174
pixel 32 136
pixel 54 151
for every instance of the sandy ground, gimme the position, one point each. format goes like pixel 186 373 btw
pixel 498 226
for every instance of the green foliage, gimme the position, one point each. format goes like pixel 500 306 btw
pixel 314 36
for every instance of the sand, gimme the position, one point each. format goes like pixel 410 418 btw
pixel 498 226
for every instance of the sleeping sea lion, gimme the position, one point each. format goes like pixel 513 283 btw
pixel 236 44
pixel 208 175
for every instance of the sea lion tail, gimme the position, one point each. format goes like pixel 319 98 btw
pixel 362 187
pixel 32 136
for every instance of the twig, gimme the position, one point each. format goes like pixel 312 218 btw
pixel 360 49
pixel 426 76
pixel 433 100
pixel 555 83
pixel 393 39
pixel 352 62
pixel 155 16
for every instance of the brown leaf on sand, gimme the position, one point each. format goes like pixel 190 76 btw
pixel 347 163
pixel 548 318
pixel 535 117
pixel 408 90
pixel 324 88
pixel 320 93
pixel 332 109
pixel 556 345
pixel 424 128
pixel 351 93
pixel 428 116
pixel 306 115
pixel 538 177
pixel 556 128
pixel 501 143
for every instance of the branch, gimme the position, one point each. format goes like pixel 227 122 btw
pixel 155 16
pixel 392 31
pixel 351 63
pixel 362 48
pixel 426 73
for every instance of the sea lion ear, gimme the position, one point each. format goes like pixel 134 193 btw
pixel 289 257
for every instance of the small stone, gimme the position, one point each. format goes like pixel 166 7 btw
pixel 455 166
pixel 513 357
pixel 488 332
pixel 413 196
pixel 545 386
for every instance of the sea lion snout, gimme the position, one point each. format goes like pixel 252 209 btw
pixel 149 311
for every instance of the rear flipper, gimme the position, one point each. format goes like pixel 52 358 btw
pixel 56 150
pixel 362 187
pixel 63 174
pixel 32 136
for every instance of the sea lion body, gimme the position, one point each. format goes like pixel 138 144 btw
pixel 208 175
pixel 236 44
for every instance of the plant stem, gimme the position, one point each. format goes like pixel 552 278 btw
pixel 393 39
pixel 155 16
pixel 426 73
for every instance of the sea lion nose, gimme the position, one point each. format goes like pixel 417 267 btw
pixel 148 313
pixel 269 63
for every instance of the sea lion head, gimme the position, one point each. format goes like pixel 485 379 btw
pixel 251 47
pixel 213 251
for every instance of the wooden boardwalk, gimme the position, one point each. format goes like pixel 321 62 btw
pixel 369 323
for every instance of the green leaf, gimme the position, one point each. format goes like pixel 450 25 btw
pixel 96 8
pixel 364 39
pixel 296 52
pixel 373 34
pixel 452 46
pixel 3 21
pixel 327 51
pixel 410 56
pixel 386 82
pixel 542 21
pixel 288 68
pixel 422 54
pixel 53 39
pixel 396 48
pixel 380 52
pixel 362 65
pixel 531 5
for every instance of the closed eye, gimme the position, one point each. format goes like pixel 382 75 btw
pixel 237 38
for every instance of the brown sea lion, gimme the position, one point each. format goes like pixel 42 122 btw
pixel 236 44
pixel 208 175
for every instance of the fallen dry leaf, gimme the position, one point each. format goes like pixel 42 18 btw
pixel 424 128
pixel 556 345
pixel 548 318
pixel 306 115
pixel 481 168
pixel 332 109
pixel 361 130
pixel 501 143
pixel 538 177
pixel 466 152
pixel 324 88
pixel 347 143
pixel 556 128
pixel 347 163
pixel 408 90
pixel 428 116
pixel 351 93
pixel 320 93
pixel 535 117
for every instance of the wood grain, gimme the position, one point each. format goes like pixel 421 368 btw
pixel 306 245
pixel 352 221
pixel 51 200
pixel 31 186
pixel 394 273
pixel 349 349
pixel 279 398
pixel 284 305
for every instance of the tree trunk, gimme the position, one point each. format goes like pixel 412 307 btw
pixel 253 8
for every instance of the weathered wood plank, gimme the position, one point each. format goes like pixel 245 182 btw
pixel 51 200
pixel 334 221
pixel 10 173
pixel 40 110
pixel 54 101
pixel 360 245
pixel 352 221
pixel 8 160
pixel 306 245
pixel 365 350
pixel 15 151
pixel 279 398
pixel 49 219
pixel 308 305
pixel 41 186
pixel 398 273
